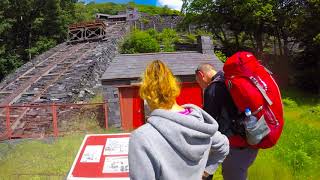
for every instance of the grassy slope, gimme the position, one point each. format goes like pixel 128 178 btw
pixel 296 155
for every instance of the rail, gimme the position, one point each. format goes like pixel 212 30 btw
pixel 44 120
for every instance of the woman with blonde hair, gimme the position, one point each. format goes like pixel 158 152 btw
pixel 176 140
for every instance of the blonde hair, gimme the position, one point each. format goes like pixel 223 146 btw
pixel 159 86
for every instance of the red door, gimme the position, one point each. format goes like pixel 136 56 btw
pixel 191 93
pixel 131 107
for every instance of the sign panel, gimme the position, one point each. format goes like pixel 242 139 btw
pixel 102 156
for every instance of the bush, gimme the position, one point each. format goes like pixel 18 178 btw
pixel 153 33
pixel 42 45
pixel 167 38
pixel 191 38
pixel 200 32
pixel 140 42
pixel 168 46
pixel 8 63
pixel 149 41
pixel 168 34
pixel 222 57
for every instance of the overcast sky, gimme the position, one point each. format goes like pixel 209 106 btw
pixel 173 4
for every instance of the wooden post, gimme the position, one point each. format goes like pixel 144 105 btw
pixel 105 107
pixel 54 120
pixel 9 131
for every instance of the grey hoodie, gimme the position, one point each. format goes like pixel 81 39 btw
pixel 174 146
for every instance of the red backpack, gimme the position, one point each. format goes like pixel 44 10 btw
pixel 252 86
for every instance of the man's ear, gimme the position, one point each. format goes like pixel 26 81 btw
pixel 201 74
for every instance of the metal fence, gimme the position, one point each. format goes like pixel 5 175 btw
pixel 43 120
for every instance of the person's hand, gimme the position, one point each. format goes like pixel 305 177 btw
pixel 206 176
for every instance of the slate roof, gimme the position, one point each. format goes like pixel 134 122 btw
pixel 131 66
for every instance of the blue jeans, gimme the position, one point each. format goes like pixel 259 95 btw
pixel 236 164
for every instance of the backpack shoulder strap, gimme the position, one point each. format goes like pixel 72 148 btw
pixel 262 91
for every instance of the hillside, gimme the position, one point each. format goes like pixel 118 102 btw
pixel 29 29
pixel 87 12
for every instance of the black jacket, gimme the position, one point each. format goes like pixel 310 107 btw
pixel 219 104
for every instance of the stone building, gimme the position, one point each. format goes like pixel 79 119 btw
pixel 126 70
pixel 131 14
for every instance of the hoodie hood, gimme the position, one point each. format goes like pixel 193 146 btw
pixel 190 135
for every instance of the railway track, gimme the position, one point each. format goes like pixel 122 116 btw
pixel 33 83
pixel 36 81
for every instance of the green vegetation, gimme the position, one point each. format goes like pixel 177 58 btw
pixel 140 42
pixel 297 153
pixel 30 27
pixel 284 28
pixel 222 57
pixel 168 37
pixel 38 159
pixel 149 41
pixel 191 38
pixel 41 45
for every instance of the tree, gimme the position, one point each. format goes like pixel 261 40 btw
pixel 233 22
pixel 30 27
pixel 307 62
pixel 8 62
pixel 271 23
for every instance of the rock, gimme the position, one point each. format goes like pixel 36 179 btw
pixel 81 94
pixel 89 91
pixel 54 99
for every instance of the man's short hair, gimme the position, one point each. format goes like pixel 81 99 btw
pixel 205 67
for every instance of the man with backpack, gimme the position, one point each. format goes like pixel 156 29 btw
pixel 246 102
pixel 219 104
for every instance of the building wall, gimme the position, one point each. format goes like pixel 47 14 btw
pixel 157 22
pixel 111 96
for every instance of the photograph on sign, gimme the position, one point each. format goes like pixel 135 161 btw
pixel 92 154
pixel 116 146
pixel 116 165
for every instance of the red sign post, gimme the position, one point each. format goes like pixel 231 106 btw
pixel 102 156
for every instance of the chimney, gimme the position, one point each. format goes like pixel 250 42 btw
pixel 205 44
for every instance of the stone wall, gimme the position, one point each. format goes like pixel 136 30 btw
pixel 83 79
pixel 158 22
pixel 111 95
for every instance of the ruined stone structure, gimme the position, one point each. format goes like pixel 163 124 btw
pixel 131 14
pixel 157 22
